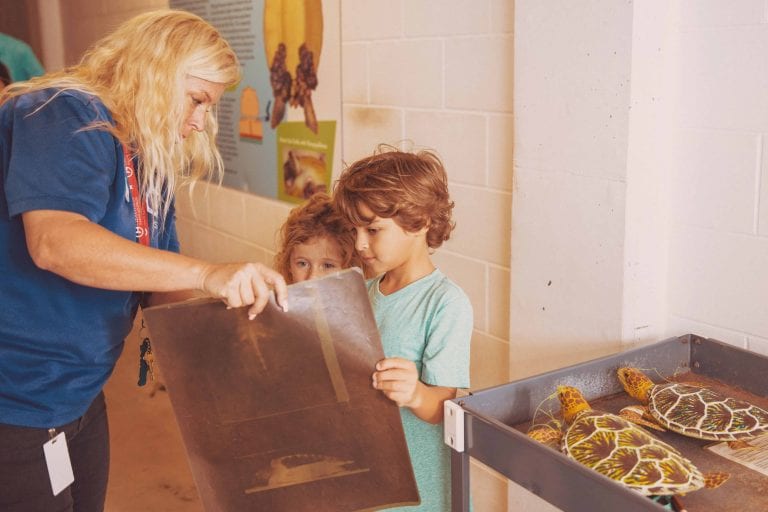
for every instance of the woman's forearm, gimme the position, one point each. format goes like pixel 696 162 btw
pixel 71 246
pixel 83 252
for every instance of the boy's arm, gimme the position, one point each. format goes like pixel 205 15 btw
pixel 399 380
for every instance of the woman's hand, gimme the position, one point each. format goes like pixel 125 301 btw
pixel 244 284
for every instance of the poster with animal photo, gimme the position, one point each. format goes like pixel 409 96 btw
pixel 278 413
pixel 303 164
pixel 291 61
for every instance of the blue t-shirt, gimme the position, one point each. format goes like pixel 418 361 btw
pixel 59 341
pixel 428 322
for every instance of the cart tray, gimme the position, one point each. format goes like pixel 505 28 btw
pixel 496 419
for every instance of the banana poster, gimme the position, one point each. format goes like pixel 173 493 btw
pixel 279 127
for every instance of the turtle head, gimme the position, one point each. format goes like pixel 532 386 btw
pixel 635 383
pixel 572 402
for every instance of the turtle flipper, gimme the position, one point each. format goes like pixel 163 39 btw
pixel 715 479
pixel 546 435
pixel 738 445
pixel 639 415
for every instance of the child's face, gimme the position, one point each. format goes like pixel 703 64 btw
pixel 385 246
pixel 315 258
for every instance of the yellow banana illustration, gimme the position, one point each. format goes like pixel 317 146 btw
pixel 293 40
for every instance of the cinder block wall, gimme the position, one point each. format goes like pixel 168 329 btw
pixel 718 277
pixel 85 21
pixel 439 74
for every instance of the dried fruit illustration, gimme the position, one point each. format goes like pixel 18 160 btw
pixel 293 39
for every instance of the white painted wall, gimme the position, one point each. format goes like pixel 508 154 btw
pixel 572 96
pixel 649 165
pixel 718 277
pixel 697 214
pixel 52 34
pixel 85 21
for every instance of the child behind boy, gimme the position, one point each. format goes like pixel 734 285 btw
pixel 401 210
pixel 314 241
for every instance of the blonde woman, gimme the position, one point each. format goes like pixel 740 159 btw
pixel 90 159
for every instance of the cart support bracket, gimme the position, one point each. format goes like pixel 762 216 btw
pixel 453 425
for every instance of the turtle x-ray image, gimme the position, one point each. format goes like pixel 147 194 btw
pixel 278 413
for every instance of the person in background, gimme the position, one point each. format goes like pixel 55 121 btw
pixel 90 159
pixel 19 58
pixel 314 241
pixel 399 204
pixel 5 76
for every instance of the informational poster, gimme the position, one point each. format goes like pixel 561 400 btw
pixel 754 456
pixel 278 413
pixel 279 127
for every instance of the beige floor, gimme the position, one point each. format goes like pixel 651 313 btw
pixel 149 470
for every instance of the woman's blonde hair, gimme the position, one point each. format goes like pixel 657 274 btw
pixel 316 218
pixel 138 72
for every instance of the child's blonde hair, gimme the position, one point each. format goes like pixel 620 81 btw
pixel 411 188
pixel 316 218
pixel 138 72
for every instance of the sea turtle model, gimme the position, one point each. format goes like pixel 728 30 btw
pixel 694 411
pixel 621 450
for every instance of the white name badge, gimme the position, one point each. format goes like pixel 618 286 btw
pixel 59 466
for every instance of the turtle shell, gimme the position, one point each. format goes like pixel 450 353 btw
pixel 703 413
pixel 628 454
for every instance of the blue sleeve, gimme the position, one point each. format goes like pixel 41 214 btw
pixel 446 355
pixel 171 239
pixel 54 163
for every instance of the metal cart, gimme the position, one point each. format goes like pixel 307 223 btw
pixel 482 426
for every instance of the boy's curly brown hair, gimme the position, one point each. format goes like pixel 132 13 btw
pixel 411 188
pixel 315 219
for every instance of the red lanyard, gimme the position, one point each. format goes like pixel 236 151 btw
pixel 139 208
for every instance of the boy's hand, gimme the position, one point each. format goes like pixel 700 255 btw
pixel 399 380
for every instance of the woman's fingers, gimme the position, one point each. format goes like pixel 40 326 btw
pixel 248 293
pixel 281 289
pixel 261 296
pixel 275 281
pixel 245 284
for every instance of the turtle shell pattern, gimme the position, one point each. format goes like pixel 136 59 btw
pixel 703 413
pixel 625 452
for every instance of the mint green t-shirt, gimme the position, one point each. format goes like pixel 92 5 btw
pixel 428 322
